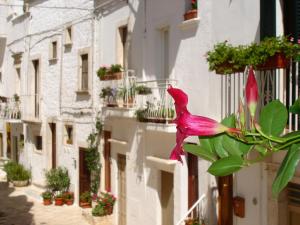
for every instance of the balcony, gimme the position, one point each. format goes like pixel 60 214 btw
pixel 10 109
pixel 154 103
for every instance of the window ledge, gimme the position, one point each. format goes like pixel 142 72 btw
pixel 68 45
pixel 187 24
pixel 53 60
pixel 83 92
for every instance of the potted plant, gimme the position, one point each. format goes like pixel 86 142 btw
pixel 110 96
pixel 102 71
pixel 143 90
pixel 17 174
pixel 58 179
pixel 68 198
pixel 226 59
pixel 108 200
pixel 276 52
pixel 193 12
pixel 47 198
pixel 59 200
pixel 116 71
pixel 85 200
pixel 99 210
pixel 16 98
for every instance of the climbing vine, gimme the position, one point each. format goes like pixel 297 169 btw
pixel 93 156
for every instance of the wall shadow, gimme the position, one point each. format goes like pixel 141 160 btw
pixel 14 210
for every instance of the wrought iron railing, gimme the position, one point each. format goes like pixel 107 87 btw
pixel 11 108
pixel 282 84
pixel 196 214
pixel 119 92
pixel 156 105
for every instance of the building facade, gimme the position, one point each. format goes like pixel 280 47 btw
pixel 50 52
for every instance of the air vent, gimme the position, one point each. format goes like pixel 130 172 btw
pixel 294 194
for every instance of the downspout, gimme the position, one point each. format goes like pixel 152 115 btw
pixel 61 71
pixel 93 64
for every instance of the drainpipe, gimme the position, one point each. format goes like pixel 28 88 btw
pixel 61 70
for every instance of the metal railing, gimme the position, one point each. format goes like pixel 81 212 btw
pixel 282 84
pixel 157 105
pixel 11 108
pixel 119 92
pixel 196 212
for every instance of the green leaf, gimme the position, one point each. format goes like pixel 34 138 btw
pixel 200 152
pixel 218 145
pixel 295 108
pixel 229 121
pixel 262 150
pixel 273 118
pixel 287 169
pixel 235 147
pixel 226 166
pixel 207 144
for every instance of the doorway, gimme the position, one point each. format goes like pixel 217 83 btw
pixel 53 144
pixel 167 198
pixel 84 173
pixel 225 187
pixel 193 187
pixel 15 149
pixel 8 141
pixel 122 188
pixel 1 145
pixel 107 170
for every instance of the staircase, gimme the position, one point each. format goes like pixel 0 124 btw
pixel 195 215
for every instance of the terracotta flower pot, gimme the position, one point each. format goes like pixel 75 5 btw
pixel 47 201
pixel 221 68
pixel 85 205
pixel 59 201
pixel 69 201
pixel 277 61
pixel 191 14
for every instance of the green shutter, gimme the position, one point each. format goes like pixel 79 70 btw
pixel 267 18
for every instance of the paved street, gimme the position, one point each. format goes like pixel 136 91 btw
pixel 18 208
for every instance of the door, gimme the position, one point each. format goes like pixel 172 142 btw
pixel 8 141
pixel 15 149
pixel 122 189
pixel 167 198
pixel 1 145
pixel 193 187
pixel 225 200
pixel 84 173
pixel 53 143
pixel 107 170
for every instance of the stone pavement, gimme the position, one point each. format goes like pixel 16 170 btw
pixel 18 206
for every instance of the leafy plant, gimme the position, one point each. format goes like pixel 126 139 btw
pixel 68 195
pixel 16 172
pixel 16 98
pixel 143 90
pixel 57 179
pixel 99 210
pixel 227 145
pixel 86 197
pixel 102 71
pixel 116 68
pixel 194 4
pixel 47 195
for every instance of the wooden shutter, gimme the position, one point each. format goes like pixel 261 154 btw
pixel 84 72
pixel 291 17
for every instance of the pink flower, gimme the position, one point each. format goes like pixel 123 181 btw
pixel 251 93
pixel 191 125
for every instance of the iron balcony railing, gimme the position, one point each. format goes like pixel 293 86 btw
pixel 11 108
pixel 153 102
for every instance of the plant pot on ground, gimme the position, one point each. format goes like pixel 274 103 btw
pixel 47 198
pixel 59 200
pixel 68 198
pixel 85 200
pixel 17 174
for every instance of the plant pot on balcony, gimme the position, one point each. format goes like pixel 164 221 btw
pixel 227 68
pixel 191 14
pixel 277 61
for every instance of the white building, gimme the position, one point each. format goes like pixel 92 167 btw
pixel 53 50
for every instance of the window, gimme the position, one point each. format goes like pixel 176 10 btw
pixel 68 35
pixel 68 134
pixel 39 143
pixel 36 87
pixel 18 81
pixel 84 72
pixel 122 49
pixel 53 50
pixel 162 59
